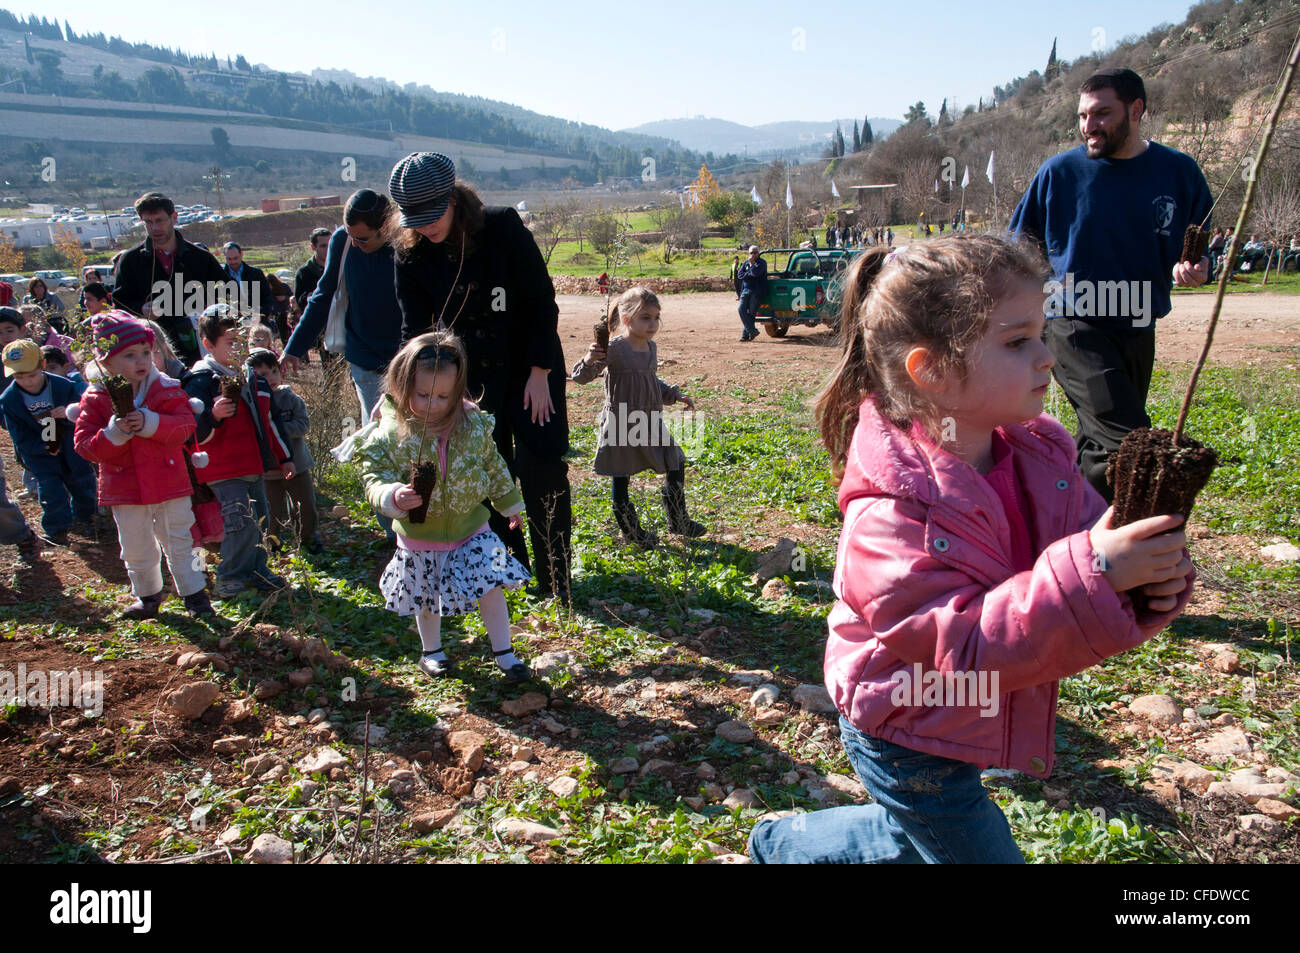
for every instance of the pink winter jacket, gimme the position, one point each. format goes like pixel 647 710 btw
pixel 925 585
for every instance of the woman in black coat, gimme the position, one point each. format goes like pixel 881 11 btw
pixel 477 271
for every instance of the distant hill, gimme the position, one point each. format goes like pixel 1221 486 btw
pixel 791 137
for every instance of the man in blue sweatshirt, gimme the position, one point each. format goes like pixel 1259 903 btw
pixel 1110 216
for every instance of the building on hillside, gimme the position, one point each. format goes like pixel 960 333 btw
pixel 288 203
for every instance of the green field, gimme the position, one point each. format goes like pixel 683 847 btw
pixel 685 617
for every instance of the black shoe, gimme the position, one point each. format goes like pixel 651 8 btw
pixel 519 672
pixel 144 607
pixel 433 667
pixel 198 604
pixel 631 528
pixel 269 583
pixel 674 497
pixel 29 549
pixel 58 539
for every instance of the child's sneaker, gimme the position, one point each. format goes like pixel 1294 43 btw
pixel 144 607
pixel 228 588
pixel 198 604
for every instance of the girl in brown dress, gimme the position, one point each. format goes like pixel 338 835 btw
pixel 632 432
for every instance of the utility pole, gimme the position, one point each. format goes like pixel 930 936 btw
pixel 216 173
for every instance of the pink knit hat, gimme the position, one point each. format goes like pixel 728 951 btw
pixel 116 330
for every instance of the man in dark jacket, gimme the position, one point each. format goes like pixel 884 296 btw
pixel 166 279
pixel 308 276
pixel 254 292
pixel 753 286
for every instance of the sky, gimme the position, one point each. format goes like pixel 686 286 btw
pixel 620 63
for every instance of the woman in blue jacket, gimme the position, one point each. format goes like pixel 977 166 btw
pixel 361 250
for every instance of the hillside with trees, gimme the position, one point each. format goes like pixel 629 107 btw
pixel 54 59
pixel 1208 78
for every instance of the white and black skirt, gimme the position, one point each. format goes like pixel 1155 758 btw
pixel 450 582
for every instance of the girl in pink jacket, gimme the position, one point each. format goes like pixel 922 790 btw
pixel 142 473
pixel 976 566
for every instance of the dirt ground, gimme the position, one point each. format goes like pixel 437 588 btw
pixel 699 340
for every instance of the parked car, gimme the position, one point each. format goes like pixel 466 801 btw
pixel 19 283
pixel 806 291
pixel 56 279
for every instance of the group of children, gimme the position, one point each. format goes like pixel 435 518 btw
pixel 187 443
pixel 970 542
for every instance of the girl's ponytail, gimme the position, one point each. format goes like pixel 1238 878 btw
pixel 614 320
pixel 837 404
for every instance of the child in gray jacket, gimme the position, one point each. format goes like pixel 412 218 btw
pixel 291 504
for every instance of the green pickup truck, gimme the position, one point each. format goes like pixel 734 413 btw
pixel 805 291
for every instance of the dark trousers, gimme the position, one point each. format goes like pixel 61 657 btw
pixel 1105 371
pixel 544 483
pixel 291 506
pixel 749 302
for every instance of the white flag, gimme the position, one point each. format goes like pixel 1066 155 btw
pixel 835 193
pixel 753 194
pixel 789 196
pixel 681 199
pixel 965 178
pixel 936 186
pixel 988 173
pixel 522 206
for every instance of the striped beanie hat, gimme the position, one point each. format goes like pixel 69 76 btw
pixel 421 186
pixel 114 331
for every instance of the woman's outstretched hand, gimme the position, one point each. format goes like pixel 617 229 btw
pixel 537 396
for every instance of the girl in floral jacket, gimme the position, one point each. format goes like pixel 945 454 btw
pixel 449 560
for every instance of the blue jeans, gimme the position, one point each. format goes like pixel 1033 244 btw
pixel 242 553
pixel 749 302
pixel 927 810
pixel 57 513
pixel 370 391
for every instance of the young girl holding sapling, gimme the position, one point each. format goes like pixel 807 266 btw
pixel 973 555
pixel 260 336
pixel 632 433
pixel 142 473
pixel 447 559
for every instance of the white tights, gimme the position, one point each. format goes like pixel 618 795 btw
pixel 496 619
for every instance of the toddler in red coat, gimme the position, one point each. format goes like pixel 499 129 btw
pixel 142 473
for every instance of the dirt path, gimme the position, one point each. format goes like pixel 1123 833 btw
pixel 699 346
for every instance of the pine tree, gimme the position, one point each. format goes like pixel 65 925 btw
pixel 867 135
pixel 1053 67
pixel 857 139
pixel 839 141
pixel 944 118
pixel 67 32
